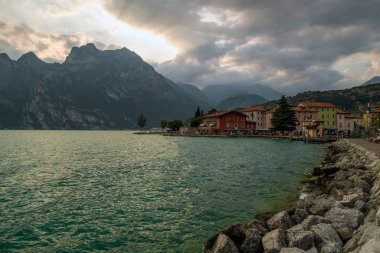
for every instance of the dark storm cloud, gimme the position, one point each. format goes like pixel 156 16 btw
pixel 291 43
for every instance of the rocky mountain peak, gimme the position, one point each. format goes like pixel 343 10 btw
pixel 4 57
pixel 84 54
pixel 30 59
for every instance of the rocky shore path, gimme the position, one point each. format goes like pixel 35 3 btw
pixel 373 147
pixel 340 214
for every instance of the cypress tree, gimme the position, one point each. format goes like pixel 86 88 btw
pixel 284 117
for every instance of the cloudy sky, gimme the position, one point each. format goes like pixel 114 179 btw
pixel 292 45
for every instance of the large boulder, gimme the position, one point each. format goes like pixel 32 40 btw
pixel 224 244
pixel 344 231
pixel 299 215
pixel 322 204
pixel 281 220
pixel 292 250
pixel 351 217
pixel 372 246
pixel 299 238
pixel 252 242
pixel 235 232
pixel 274 241
pixel 326 238
pixel 370 232
pixel 314 220
pixel 377 218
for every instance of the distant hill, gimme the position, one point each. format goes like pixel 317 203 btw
pixel 196 95
pixel 373 80
pixel 354 99
pixel 220 92
pixel 92 89
pixel 241 101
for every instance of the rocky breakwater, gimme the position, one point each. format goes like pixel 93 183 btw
pixel 341 212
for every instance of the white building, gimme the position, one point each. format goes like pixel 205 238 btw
pixel 256 114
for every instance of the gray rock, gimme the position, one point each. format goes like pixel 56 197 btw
pixel 323 204
pixel 344 231
pixel 349 200
pixel 329 169
pixel 252 242
pixel 299 215
pixel 326 238
pixel 292 250
pixel 377 218
pixel 331 248
pixel 300 238
pixel 274 241
pixel 369 233
pixel 312 250
pixel 280 220
pixel 361 206
pixel 372 246
pixel 351 244
pixel 351 217
pixel 362 184
pixel 224 244
pixel 314 220
pixel 235 232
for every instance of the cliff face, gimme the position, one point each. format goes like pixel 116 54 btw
pixel 92 89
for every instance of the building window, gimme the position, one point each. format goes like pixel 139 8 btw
pixel 236 125
pixel 340 125
pixel 228 125
pixel 242 125
pixel 236 118
pixel 242 118
pixel 227 118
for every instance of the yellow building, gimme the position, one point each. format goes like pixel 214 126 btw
pixel 326 112
pixel 371 119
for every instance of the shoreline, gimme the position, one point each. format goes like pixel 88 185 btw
pixel 340 213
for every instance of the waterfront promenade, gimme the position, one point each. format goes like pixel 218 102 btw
pixel 373 147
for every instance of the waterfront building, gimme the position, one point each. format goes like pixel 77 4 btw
pixel 231 122
pixel 304 114
pixel 326 112
pixel 341 120
pixel 268 118
pixel 346 122
pixel 350 124
pixel 256 114
pixel 371 118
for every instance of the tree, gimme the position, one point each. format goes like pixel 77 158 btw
pixel 284 117
pixel 141 120
pixel 175 125
pixel 164 123
pixel 197 113
pixel 195 122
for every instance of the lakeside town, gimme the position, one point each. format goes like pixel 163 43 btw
pixel 311 121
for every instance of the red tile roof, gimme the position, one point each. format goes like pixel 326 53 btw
pixel 253 108
pixel 317 104
pixel 218 114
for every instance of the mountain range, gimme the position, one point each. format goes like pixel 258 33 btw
pixel 95 89
pixel 354 100
pixel 91 89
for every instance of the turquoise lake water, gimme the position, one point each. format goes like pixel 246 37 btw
pixel 113 191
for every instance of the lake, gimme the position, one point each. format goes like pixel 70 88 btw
pixel 86 191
